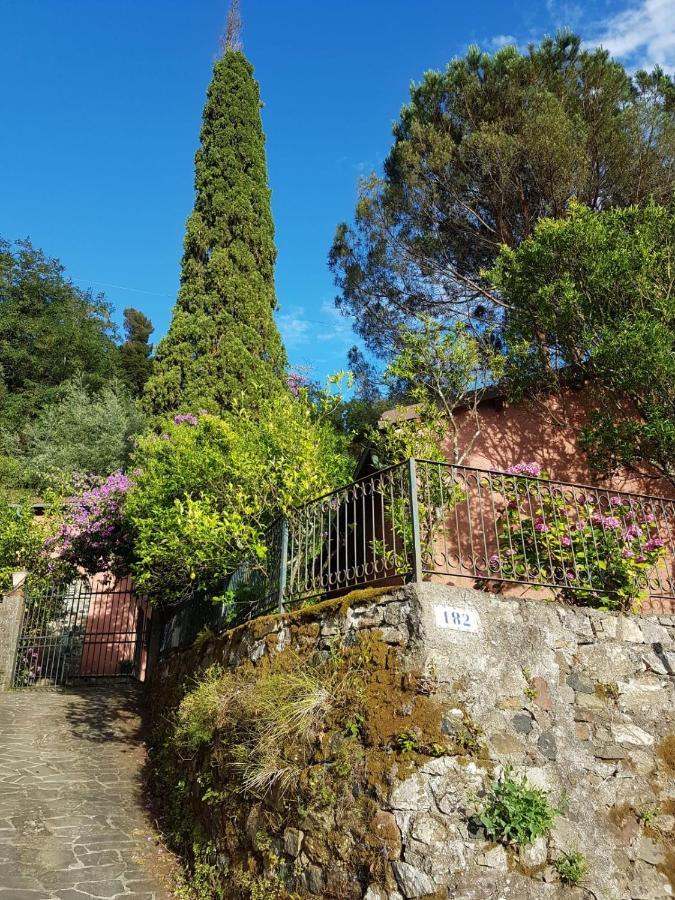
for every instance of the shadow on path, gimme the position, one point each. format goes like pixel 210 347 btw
pixel 72 819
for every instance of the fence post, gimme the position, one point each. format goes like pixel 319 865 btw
pixel 283 562
pixel 415 520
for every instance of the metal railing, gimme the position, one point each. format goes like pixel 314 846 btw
pixel 578 540
pixel 421 519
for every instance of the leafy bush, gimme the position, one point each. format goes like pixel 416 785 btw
pixel 49 330
pixel 599 556
pixel 516 812
pixel 81 432
pixel 572 867
pixel 207 487
pixel 22 544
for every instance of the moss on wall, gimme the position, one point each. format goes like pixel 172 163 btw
pixel 294 754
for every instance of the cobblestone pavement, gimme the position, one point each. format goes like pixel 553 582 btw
pixel 72 823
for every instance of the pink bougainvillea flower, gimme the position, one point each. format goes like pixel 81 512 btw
pixel 531 469
pixel 185 419
pixel 654 544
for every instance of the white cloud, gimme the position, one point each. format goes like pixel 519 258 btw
pixel 642 35
pixel 565 13
pixel 326 326
pixel 639 33
pixel 294 328
pixel 501 40
pixel 337 329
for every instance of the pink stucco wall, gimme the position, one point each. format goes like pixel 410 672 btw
pixel 116 621
pixel 545 433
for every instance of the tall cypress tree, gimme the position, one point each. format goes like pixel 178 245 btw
pixel 223 346
pixel 136 352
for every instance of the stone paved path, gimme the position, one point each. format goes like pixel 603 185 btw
pixel 72 824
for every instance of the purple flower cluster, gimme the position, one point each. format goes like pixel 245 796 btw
pixel 609 522
pixel 531 469
pixel 296 383
pixel 654 544
pixel 615 536
pixel 185 419
pixel 92 535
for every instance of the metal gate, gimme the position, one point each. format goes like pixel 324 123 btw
pixel 86 629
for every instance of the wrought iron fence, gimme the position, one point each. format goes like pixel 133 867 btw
pixel 359 535
pixel 421 519
pixel 87 628
pixel 613 547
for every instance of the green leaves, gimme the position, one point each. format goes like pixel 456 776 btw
pixel 515 812
pixel 591 298
pixel 206 491
pixel 223 348
pixel 568 543
pixel 22 544
pixel 572 867
pixel 483 151
pixel 82 433
pixel 437 368
pixel 50 331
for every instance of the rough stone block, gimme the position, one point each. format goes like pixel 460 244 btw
pixel 631 734
pixel 494 858
pixel 535 854
pixel 293 841
pixel 413 882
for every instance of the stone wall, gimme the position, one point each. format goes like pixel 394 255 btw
pixel 11 609
pixel 582 702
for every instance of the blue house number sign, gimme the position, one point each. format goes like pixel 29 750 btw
pixel 459 619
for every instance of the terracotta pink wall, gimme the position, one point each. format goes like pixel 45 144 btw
pixel 546 435
pixel 111 629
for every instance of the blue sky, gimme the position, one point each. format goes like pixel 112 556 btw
pixel 101 112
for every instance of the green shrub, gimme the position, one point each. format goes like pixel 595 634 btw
pixel 516 812
pixel 22 545
pixel 407 742
pixel 265 724
pixel 648 813
pixel 81 432
pixel 197 718
pixel 572 867
pixel 206 489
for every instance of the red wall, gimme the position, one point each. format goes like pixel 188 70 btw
pixel 545 433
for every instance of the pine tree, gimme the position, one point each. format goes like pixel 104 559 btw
pixel 223 346
pixel 135 353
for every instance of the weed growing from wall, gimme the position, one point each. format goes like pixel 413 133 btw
pixel 572 867
pixel 515 812
pixel 301 743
